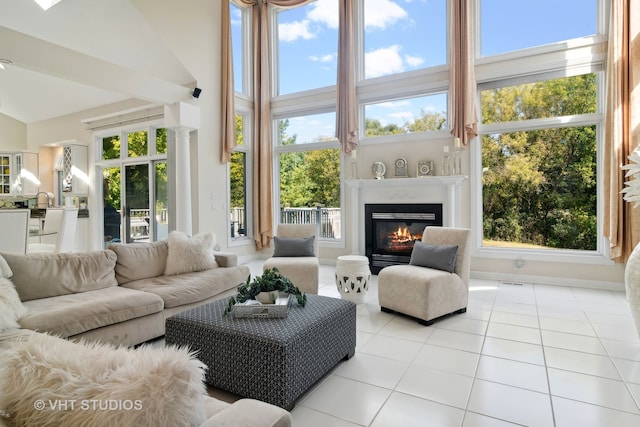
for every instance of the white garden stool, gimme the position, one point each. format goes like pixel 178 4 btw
pixel 352 277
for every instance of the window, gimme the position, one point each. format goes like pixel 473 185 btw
pixel 403 36
pixel 540 127
pixel 238 184
pixel 239 171
pixel 539 164
pixel 307 46
pixel 407 115
pixel 508 25
pixel 237 30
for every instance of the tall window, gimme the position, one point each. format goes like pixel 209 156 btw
pixel 404 79
pixel 307 46
pixel 240 164
pixel 540 126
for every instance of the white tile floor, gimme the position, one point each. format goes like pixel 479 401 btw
pixel 533 355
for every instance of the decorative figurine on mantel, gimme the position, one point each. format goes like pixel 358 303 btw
pixel 379 170
pixel 457 159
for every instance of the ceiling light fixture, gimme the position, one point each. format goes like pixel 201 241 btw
pixel 4 62
pixel 46 4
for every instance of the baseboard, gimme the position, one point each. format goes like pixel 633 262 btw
pixel 548 280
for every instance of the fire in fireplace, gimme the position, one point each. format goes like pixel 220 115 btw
pixel 392 229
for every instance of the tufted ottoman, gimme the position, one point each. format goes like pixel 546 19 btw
pixel 273 360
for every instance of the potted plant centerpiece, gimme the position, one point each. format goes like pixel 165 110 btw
pixel 266 289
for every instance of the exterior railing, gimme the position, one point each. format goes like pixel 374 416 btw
pixel 328 218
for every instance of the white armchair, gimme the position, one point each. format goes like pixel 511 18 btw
pixel 303 271
pixel 429 293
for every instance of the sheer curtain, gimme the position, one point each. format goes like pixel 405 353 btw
pixel 622 124
pixel 462 92
pixel 261 74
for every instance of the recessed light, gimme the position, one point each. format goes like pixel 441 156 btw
pixel 4 62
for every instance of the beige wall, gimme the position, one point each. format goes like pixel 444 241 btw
pixel 191 30
pixel 14 134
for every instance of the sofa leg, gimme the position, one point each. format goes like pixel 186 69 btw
pixel 426 322
pixel 386 310
pixel 462 310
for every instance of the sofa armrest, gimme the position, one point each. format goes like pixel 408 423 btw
pixel 226 259
pixel 250 413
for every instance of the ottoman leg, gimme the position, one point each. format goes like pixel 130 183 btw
pixel 386 310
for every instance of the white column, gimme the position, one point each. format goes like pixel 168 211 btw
pixel 183 181
pixel 182 118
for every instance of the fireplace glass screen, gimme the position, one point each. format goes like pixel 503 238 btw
pixel 392 229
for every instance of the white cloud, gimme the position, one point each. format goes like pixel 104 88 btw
pixel 292 31
pixel 413 61
pixel 236 17
pixel 326 12
pixel 381 13
pixel 322 58
pixel 383 61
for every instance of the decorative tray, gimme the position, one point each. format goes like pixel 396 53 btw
pixel 255 309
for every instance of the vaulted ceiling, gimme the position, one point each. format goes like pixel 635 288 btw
pixel 82 54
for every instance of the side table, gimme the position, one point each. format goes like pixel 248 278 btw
pixel 352 277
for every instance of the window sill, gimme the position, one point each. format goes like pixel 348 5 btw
pixel 551 255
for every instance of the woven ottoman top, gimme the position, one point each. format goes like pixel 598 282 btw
pixel 211 316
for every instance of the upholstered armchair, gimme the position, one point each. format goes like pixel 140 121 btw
pixel 295 255
pixel 435 283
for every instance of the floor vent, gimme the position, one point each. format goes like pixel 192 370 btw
pixel 505 282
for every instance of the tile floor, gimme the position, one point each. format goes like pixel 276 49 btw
pixel 522 355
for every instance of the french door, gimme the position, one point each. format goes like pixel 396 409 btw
pixel 136 202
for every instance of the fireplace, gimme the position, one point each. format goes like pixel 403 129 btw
pixel 392 229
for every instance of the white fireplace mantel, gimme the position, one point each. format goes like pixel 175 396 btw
pixel 428 189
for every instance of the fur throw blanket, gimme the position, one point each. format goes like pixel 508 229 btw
pixel 45 380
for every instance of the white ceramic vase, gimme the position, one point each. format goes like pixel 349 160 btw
pixel 268 297
pixel 632 285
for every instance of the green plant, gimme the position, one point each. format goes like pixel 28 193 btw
pixel 271 280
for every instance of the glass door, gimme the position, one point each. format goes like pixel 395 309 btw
pixel 137 212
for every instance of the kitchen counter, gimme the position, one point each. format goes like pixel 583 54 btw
pixel 40 213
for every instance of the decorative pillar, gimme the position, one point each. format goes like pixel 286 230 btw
pixel 182 119
pixel 183 181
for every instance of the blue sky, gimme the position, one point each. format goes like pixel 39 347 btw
pixel 404 35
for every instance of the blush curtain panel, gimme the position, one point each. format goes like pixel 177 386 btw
pixel 346 103
pixel 261 74
pixel 462 91
pixel 622 125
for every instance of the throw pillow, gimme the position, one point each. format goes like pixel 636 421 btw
pixel 440 257
pixel 189 254
pixel 109 386
pixel 11 308
pixel 5 270
pixel 293 246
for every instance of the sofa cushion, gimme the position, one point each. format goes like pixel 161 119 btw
pixel 11 308
pixel 440 257
pixel 293 246
pixel 189 254
pixel 139 260
pixel 69 315
pixel 47 275
pixel 146 386
pixel 190 288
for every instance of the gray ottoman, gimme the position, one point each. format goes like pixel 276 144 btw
pixel 273 360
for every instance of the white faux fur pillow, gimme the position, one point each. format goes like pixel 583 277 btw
pixel 11 308
pixel 5 270
pixel 188 254
pixel 107 386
